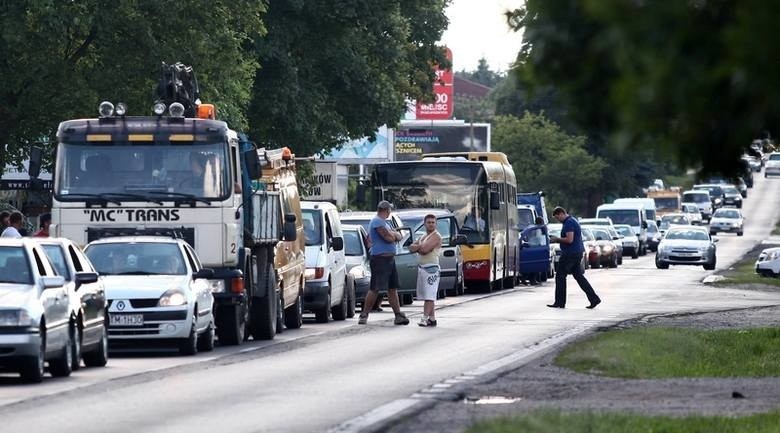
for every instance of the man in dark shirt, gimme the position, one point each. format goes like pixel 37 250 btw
pixel 569 263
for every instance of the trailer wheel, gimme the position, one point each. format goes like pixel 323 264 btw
pixel 263 312
pixel 231 323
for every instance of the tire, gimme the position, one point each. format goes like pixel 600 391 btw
pixel 75 346
pixel 350 288
pixel 189 346
pixel 619 260
pixel 339 312
pixel 614 262
pixel 710 266
pixel 407 299
pixel 660 264
pixel 740 233
pixel 99 356
pixel 263 314
pixel 322 315
pixel 712 233
pixel 60 366
pixel 635 254
pixel 280 313
pixel 231 324
pixel 293 315
pixel 206 339
pixel 31 370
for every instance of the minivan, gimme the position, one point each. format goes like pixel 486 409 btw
pixel 631 213
pixel 329 290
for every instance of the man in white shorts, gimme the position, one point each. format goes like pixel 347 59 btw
pixel 428 270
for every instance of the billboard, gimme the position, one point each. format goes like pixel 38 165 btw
pixel 412 139
pixel 442 106
pixel 363 151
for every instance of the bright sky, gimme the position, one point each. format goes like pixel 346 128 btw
pixel 478 29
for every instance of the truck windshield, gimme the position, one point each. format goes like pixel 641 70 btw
pixel 140 169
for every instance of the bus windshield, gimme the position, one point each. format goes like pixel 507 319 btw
pixel 198 169
pixel 460 188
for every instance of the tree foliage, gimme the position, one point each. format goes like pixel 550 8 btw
pixel 482 75
pixel 694 78
pixel 338 69
pixel 546 158
pixel 59 59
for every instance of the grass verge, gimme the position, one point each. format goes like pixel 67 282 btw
pixel 744 271
pixel 655 352
pixel 586 422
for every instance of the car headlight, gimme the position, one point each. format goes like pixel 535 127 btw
pixel 16 318
pixel 172 298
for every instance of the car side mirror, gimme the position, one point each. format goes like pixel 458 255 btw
pixel 53 282
pixel 85 278
pixel 289 230
pixel 524 244
pixel 337 242
pixel 204 273
pixel 715 240
pixel 644 224
pixel 460 240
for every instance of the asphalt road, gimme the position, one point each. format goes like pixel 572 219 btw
pixel 329 376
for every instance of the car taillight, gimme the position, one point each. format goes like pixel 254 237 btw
pixel 237 285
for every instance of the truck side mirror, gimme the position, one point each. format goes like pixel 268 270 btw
pixel 253 167
pixel 289 230
pixel 495 202
pixel 337 242
pixel 644 224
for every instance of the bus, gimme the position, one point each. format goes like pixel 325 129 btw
pixel 480 189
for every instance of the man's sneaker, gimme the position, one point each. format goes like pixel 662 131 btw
pixel 400 319
pixel 423 321
pixel 362 320
pixel 427 322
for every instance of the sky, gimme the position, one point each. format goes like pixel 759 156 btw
pixel 478 29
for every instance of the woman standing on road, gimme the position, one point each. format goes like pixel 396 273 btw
pixel 428 270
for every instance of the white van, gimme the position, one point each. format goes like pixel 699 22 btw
pixel 633 214
pixel 329 290
pixel 647 202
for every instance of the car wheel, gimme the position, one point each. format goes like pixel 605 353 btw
pixel 98 357
pixel 61 366
pixel 740 233
pixel 189 345
pixel 407 299
pixel 614 262
pixel 635 253
pixel 339 312
pixel 206 339
pixel 293 315
pixel 350 288
pixel 660 264
pixel 280 313
pixel 713 233
pixel 710 266
pixel 75 347
pixel 31 370
pixel 322 315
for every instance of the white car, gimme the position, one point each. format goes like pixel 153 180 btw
pixel 34 313
pixel 157 292
pixel 686 245
pixel 768 263
pixel 772 167
pixel 691 211
pixel 727 220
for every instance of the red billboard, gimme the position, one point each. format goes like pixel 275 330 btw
pixel 441 107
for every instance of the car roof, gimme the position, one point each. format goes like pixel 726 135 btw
pixel 17 242
pixel 308 204
pixel 689 227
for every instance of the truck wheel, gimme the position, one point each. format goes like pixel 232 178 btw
pixel 263 313
pixel 293 315
pixel 231 323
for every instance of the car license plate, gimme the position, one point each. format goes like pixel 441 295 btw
pixel 127 319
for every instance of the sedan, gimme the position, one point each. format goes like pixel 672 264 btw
pixel 654 235
pixel 672 219
pixel 691 212
pixel 686 245
pixel 732 196
pixel 630 240
pixel 768 263
pixel 727 220
pixel 35 326
pixel 607 245
pixel 87 301
pixel 157 292
pixel 772 165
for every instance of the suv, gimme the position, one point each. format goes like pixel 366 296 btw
pixel 87 301
pixel 450 258
pixel 329 290
pixel 717 195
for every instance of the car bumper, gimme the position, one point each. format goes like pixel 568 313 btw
pixel 768 266
pixel 14 348
pixel 771 171
pixel 679 259
pixel 315 294
pixel 158 323
pixel 720 228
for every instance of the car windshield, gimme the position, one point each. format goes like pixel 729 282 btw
pixel 14 267
pixel 57 258
pixel 726 213
pixel 625 231
pixel 601 235
pixel 690 208
pixel 352 243
pixel 137 258
pixel 312 227
pixel 731 190
pixel 587 235
pixel 694 235
pixel 674 219
pixel 696 197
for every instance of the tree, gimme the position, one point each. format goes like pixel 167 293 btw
pixel 334 70
pixel 693 78
pixel 483 75
pixel 59 60
pixel 546 158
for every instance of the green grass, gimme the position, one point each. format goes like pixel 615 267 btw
pixel 588 422
pixel 744 271
pixel 676 352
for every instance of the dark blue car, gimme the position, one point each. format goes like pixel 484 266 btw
pixel 534 255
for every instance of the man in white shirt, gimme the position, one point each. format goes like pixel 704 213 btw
pixel 15 221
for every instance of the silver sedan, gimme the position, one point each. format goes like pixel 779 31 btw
pixel 686 245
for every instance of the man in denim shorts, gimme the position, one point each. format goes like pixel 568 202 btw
pixel 383 273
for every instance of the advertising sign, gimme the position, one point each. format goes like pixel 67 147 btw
pixel 363 151
pixel 412 140
pixel 442 106
pixel 329 183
